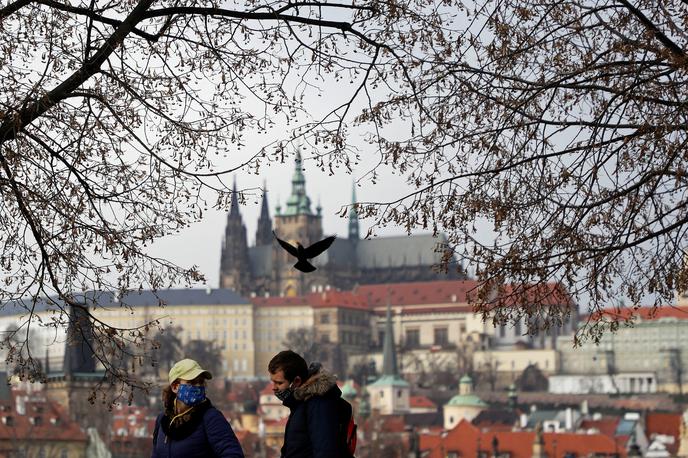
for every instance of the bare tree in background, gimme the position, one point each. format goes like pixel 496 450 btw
pixel 117 118
pixel 303 342
pixel 562 126
pixel 208 355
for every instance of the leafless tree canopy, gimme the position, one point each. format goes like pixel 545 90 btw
pixel 563 123
pixel 114 115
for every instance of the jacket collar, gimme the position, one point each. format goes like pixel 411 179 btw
pixel 317 385
pixel 181 425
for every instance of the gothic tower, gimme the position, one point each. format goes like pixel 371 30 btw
pixel 264 230
pixel 73 387
pixel 297 223
pixel 235 267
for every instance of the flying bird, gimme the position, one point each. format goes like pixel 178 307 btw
pixel 304 254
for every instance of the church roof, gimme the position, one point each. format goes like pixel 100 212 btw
pixel 398 251
pixel 383 252
pixel 466 400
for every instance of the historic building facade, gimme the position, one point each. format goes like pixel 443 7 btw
pixel 266 269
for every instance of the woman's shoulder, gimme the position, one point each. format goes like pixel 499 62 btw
pixel 212 413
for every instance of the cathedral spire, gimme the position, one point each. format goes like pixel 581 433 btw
pixel 389 354
pixel 264 230
pixel 298 203
pixel 235 265
pixel 353 216
pixel 234 208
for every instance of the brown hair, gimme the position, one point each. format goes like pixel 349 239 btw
pixel 291 363
pixel 168 397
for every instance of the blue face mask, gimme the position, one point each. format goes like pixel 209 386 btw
pixel 190 394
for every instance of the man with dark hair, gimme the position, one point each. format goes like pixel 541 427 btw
pixel 311 393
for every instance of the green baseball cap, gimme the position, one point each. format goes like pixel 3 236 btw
pixel 187 369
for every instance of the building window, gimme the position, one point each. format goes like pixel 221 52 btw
pixel 325 318
pixel 517 328
pixel 441 336
pixel 382 394
pixel 412 338
pixel 398 393
pixel 325 338
pixel 502 331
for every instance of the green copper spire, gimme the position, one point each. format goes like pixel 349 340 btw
pixel 298 203
pixel 390 371
pixel 389 354
pixel 353 215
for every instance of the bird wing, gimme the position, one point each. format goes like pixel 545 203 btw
pixel 291 249
pixel 318 247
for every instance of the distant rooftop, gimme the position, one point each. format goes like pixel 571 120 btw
pixel 168 297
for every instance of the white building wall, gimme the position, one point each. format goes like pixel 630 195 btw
pixel 604 384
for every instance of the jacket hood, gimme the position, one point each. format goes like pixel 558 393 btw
pixel 317 385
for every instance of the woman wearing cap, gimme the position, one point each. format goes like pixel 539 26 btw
pixel 190 426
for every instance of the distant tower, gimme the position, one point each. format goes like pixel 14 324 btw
pixel 390 393
pixel 353 217
pixel 297 223
pixel 235 267
pixel 264 230
pixel 73 387
pixel 464 406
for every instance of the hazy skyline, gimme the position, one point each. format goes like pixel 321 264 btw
pixel 200 244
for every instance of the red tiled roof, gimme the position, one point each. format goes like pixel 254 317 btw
pixel 668 424
pixel 416 293
pixel 645 313
pixel 421 401
pixel 53 425
pixel 442 292
pixel 334 298
pixel 429 441
pixel 552 294
pixel 466 438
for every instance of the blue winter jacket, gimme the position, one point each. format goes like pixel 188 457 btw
pixel 202 432
pixel 312 429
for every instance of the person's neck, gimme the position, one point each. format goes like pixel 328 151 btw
pixel 180 407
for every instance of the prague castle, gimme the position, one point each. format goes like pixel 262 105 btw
pixel 266 269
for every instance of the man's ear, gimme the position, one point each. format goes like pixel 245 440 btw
pixel 297 381
pixel 175 387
